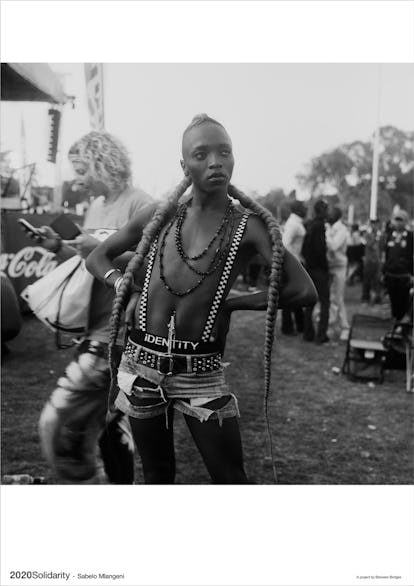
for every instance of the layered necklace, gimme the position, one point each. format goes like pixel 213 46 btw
pixel 222 235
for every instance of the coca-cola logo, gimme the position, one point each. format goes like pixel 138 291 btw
pixel 26 262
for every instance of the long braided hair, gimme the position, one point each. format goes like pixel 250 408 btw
pixel 161 215
pixel 272 296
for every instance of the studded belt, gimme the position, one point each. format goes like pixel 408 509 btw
pixel 169 364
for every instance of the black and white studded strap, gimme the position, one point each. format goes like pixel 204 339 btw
pixel 224 278
pixel 142 320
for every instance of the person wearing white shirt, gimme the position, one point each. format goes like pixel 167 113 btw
pixel 337 242
pixel 293 235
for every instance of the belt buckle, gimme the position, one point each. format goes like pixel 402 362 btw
pixel 170 364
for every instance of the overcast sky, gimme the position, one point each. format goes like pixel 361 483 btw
pixel 279 116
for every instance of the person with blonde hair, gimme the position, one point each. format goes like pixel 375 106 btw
pixel 72 423
pixel 193 246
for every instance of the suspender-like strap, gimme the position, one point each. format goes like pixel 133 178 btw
pixel 142 321
pixel 224 278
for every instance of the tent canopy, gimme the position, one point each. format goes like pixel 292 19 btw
pixel 30 82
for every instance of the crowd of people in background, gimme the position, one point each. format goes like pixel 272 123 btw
pixel 376 256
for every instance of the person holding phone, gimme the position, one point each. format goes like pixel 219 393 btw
pixel 72 423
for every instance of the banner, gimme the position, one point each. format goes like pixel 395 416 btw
pixel 94 92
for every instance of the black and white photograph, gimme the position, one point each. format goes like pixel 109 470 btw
pixel 206 279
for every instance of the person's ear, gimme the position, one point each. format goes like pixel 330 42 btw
pixel 184 168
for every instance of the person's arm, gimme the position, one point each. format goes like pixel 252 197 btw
pixel 335 239
pixel 107 254
pixel 52 242
pixel 297 289
pixel 288 235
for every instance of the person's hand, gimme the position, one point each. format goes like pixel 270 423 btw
pixel 84 244
pixel 130 309
pixel 48 238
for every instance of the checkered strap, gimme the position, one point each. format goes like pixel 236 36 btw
pixel 142 319
pixel 224 278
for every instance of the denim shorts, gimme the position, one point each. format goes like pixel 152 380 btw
pixel 187 392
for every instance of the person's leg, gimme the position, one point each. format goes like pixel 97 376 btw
pixel 155 444
pixel 287 322
pixel 299 319
pixel 366 283
pixel 322 287
pixel 219 445
pixel 69 428
pixel 399 294
pixel 376 283
pixel 308 327
pixel 340 297
pixel 392 289
pixel 333 305
pixel 73 420
pixel 254 274
pixel 117 450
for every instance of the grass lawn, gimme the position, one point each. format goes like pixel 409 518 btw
pixel 326 429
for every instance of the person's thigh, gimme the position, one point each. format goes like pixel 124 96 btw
pixel 154 439
pixel 220 446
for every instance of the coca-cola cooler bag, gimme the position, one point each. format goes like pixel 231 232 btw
pixel 22 259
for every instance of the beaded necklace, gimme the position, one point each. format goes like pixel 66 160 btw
pixel 182 213
pixel 226 226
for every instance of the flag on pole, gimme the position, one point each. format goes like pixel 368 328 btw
pixel 94 92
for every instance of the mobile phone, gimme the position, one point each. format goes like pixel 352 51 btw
pixel 31 229
pixel 65 227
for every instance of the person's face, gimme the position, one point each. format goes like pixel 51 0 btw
pixel 82 177
pixel 208 157
pixel 398 223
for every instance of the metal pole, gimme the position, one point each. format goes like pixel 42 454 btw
pixel 351 212
pixel 375 156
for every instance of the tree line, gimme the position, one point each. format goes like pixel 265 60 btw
pixel 344 174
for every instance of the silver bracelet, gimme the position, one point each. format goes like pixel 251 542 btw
pixel 110 272
pixel 118 283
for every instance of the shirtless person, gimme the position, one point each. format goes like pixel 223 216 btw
pixel 196 247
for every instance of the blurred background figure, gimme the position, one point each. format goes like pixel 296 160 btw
pixel 355 253
pixel 337 241
pixel 73 422
pixel 371 280
pixel 11 320
pixel 314 252
pixel 398 265
pixel 253 273
pixel 293 236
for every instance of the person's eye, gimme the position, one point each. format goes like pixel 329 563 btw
pixel 200 156
pixel 226 153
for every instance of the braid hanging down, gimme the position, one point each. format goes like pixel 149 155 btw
pixel 272 299
pixel 159 219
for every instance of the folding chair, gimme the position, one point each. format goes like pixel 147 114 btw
pixel 365 353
